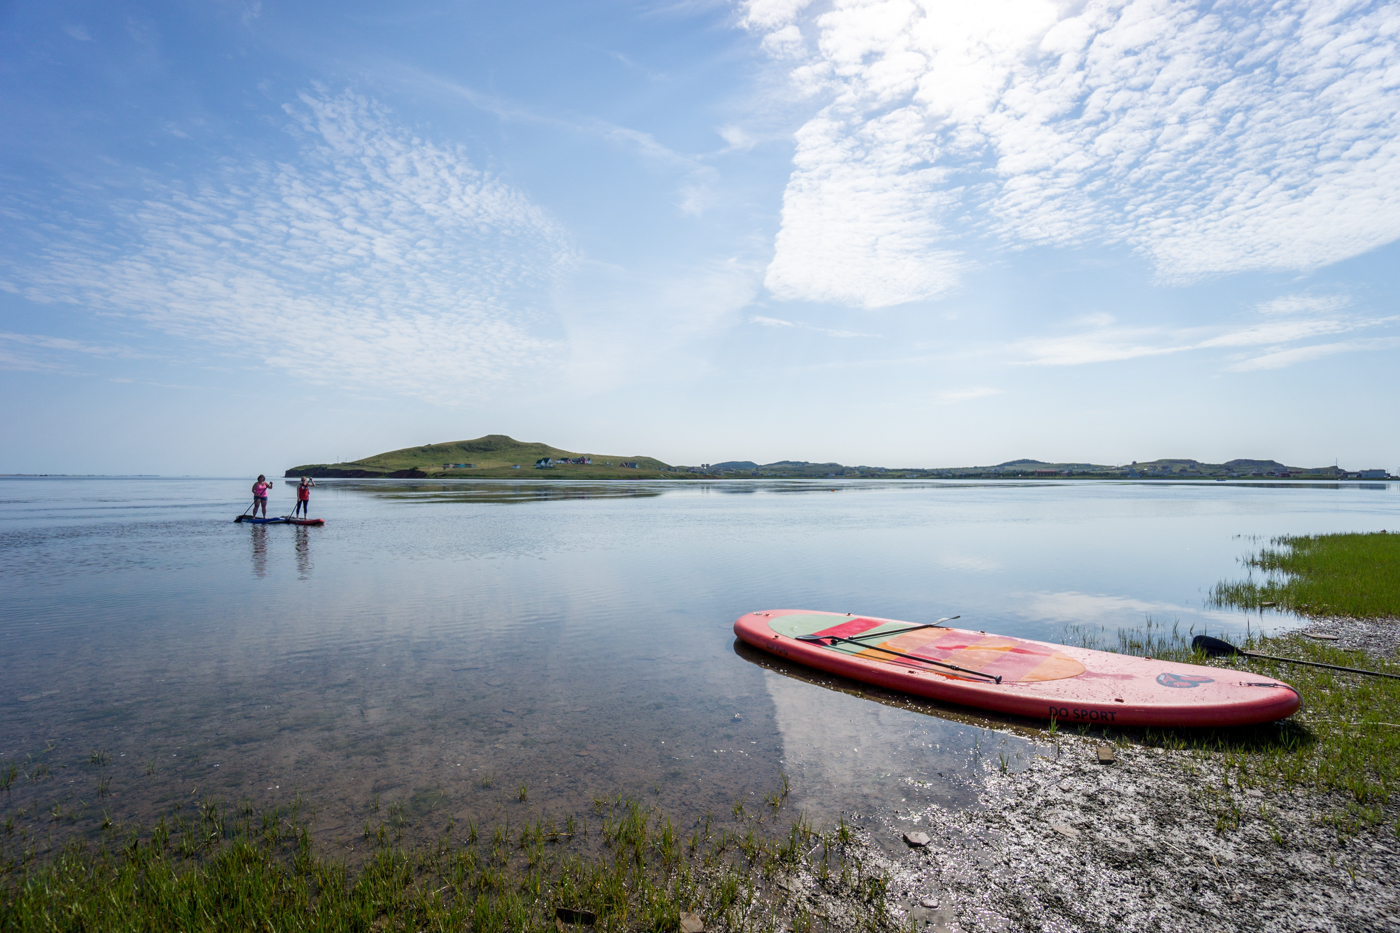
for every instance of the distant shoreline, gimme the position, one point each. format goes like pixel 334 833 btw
pixel 540 477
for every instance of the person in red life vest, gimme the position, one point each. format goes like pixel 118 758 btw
pixel 304 498
pixel 260 490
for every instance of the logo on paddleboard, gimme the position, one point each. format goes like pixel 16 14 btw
pixel 1183 681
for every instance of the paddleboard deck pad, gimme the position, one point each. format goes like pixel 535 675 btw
pixel 1016 676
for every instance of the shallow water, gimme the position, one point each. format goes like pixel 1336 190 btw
pixel 441 645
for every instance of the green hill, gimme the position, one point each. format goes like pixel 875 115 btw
pixel 492 456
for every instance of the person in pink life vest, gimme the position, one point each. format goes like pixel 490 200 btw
pixel 304 498
pixel 260 490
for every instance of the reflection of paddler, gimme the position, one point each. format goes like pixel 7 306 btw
pixel 260 489
pixel 304 498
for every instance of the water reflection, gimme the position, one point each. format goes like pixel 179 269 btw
pixel 849 745
pixel 505 492
pixel 303 546
pixel 428 639
pixel 258 536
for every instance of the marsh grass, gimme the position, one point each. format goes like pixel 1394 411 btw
pixel 1354 575
pixel 216 868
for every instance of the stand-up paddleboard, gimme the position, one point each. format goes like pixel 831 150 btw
pixel 280 520
pixel 1012 675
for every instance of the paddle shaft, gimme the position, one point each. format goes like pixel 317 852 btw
pixel 901 631
pixel 1333 667
pixel 900 654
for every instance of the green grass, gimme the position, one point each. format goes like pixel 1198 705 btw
pixel 212 870
pixel 1354 575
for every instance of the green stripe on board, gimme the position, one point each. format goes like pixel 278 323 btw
pixel 805 623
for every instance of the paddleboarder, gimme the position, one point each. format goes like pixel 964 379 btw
pixel 260 489
pixel 304 498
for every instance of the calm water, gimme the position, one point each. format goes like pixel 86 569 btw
pixel 436 638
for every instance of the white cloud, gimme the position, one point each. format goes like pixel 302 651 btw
pixel 1211 139
pixel 784 43
pixel 377 259
pixel 828 331
pixel 771 14
pixel 1303 304
pixel 737 137
pixel 1105 609
pixel 1289 331
pixel 1109 343
pixel 1279 359
pixel 78 32
pixel 42 353
pixel 1098 347
pixel 965 395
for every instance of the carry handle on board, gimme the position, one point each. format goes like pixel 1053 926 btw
pixel 1216 648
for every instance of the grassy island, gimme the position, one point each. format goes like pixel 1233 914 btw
pixel 494 456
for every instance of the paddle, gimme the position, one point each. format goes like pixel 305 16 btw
pixel 1216 648
pixel 821 640
pixel 901 631
pixel 245 513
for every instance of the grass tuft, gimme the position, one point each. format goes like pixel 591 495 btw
pixel 1354 575
pixel 222 868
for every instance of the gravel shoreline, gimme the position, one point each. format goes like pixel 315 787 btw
pixel 1377 637
pixel 1070 844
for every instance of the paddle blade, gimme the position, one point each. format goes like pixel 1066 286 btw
pixel 1214 646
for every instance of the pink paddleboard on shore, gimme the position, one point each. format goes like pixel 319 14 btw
pixel 1012 675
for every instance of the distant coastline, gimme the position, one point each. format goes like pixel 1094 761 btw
pixel 498 456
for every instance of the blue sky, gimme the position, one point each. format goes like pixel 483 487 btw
pixel 239 236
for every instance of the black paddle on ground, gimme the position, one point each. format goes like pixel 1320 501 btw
pixel 1217 648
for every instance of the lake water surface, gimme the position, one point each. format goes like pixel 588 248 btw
pixel 444 644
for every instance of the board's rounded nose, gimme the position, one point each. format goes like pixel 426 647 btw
pixel 751 622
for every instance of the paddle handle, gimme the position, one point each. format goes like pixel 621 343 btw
pixel 1333 667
